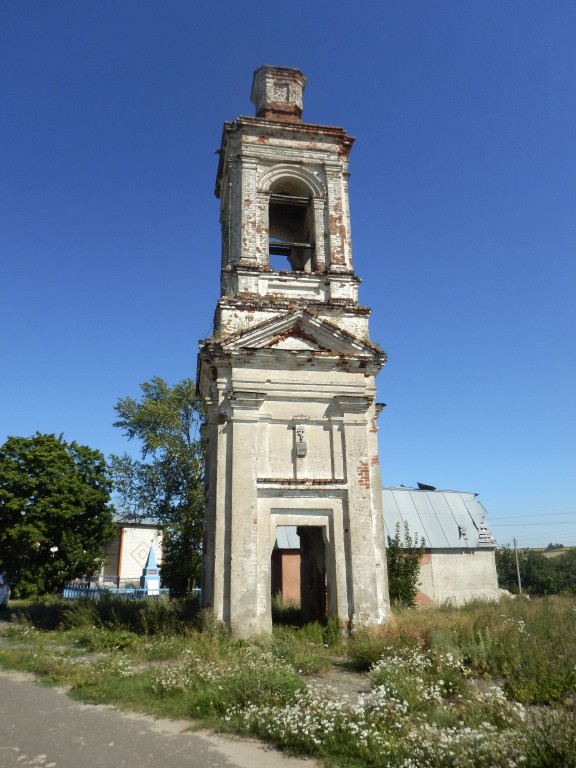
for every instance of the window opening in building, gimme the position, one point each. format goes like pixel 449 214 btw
pixel 291 228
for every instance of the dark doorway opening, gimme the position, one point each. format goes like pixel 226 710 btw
pixel 299 583
pixel 313 588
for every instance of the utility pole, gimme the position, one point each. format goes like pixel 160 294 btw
pixel 517 567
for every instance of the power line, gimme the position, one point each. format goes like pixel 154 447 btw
pixel 495 523
pixel 523 517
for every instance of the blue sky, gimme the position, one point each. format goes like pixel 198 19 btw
pixel 463 204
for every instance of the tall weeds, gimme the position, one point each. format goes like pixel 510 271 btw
pixel 484 685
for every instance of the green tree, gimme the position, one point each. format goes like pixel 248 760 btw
pixel 55 512
pixel 537 572
pixel 564 567
pixel 506 568
pixel 403 557
pixel 166 483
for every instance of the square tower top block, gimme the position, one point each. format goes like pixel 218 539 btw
pixel 277 93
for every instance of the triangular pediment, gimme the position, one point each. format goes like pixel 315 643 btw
pixel 295 341
pixel 300 331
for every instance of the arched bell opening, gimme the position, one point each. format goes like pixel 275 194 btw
pixel 291 226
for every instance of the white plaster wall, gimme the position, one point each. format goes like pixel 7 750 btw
pixel 136 543
pixel 460 575
pixel 253 445
pixel 232 319
pixel 425 594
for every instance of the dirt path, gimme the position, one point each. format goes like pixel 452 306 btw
pixel 341 681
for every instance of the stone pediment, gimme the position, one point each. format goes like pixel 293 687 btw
pixel 301 331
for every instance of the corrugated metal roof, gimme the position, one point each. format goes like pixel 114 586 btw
pixel 136 522
pixel 446 519
pixel 286 537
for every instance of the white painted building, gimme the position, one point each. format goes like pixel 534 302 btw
pixel 126 554
pixel 459 563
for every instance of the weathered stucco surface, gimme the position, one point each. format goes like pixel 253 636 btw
pixel 288 376
pixel 457 577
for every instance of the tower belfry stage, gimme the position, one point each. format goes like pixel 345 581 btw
pixel 288 377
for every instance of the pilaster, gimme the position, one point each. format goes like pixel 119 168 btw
pixel 248 239
pixel 367 555
pixel 244 562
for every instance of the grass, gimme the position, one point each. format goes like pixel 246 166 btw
pixel 483 685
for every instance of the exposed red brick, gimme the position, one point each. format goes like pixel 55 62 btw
pixel 363 474
pixel 423 599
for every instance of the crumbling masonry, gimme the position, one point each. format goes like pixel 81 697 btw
pixel 288 377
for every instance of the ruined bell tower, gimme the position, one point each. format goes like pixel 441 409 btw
pixel 288 376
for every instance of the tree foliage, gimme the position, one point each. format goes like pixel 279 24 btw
pixel 540 575
pixel 403 556
pixel 166 482
pixel 564 567
pixel 55 512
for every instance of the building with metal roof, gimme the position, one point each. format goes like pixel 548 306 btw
pixel 459 562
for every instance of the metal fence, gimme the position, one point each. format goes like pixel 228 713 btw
pixel 94 589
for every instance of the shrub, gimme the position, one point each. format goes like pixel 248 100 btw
pixel 144 617
pixel 96 639
pixel 367 644
pixel 210 689
pixel 551 741
pixel 417 678
pixel 403 557
pixel 304 649
pixel 286 612
pixel 366 647
pixel 539 574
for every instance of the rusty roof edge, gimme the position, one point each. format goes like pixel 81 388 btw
pixel 255 122
pixel 419 490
